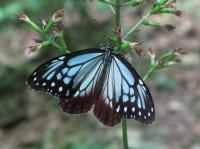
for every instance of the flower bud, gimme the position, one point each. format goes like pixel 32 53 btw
pixel 34 48
pixel 23 17
pixel 178 13
pixel 151 23
pixel 169 27
pixel 181 51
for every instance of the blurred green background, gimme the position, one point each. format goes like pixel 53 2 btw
pixel 30 120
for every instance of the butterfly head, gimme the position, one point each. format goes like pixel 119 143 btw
pixel 110 47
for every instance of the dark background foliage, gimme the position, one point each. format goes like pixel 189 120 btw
pixel 34 120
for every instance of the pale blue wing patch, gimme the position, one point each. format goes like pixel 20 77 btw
pixel 86 85
pixel 82 58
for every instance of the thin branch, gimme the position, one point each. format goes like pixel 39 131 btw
pixel 112 9
pixel 118 43
pixel 134 28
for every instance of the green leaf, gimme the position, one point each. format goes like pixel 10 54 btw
pixel 151 23
pixel 135 2
pixel 156 9
pixel 162 2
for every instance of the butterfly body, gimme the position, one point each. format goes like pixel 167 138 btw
pixel 99 77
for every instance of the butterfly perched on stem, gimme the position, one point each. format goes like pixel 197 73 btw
pixel 99 77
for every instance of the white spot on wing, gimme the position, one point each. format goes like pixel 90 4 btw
pixel 111 104
pixel 53 84
pixel 133 109
pixel 151 109
pixel 118 108
pixel 76 94
pixel 125 109
pixel 62 58
pixel 107 101
pixel 140 81
pixel 60 89
pixel 140 113
pixel 144 88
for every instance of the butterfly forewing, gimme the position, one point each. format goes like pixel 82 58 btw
pixel 62 75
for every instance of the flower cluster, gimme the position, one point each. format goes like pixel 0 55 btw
pixel 51 31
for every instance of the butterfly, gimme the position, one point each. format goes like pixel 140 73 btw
pixel 101 78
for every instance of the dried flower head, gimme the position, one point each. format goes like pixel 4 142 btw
pixel 117 31
pixel 151 51
pixel 43 23
pixel 178 13
pixel 169 27
pixel 181 51
pixel 58 16
pixel 34 48
pixel 136 46
pixel 173 62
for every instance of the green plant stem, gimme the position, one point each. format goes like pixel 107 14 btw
pixel 62 41
pixel 151 70
pixel 125 135
pixel 48 28
pixel 111 6
pixel 134 28
pixel 117 22
pixel 112 9
pixel 35 26
pixel 118 43
pixel 58 46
